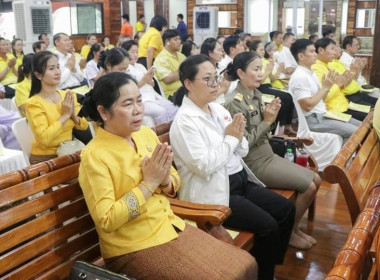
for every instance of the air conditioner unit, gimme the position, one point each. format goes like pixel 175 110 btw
pixel 32 17
pixel 205 23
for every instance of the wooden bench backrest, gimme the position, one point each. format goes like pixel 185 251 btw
pixel 356 167
pixel 353 257
pixel 42 236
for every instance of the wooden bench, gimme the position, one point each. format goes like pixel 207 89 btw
pixel 353 260
pixel 356 167
pixel 42 236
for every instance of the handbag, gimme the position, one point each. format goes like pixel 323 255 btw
pixel 280 145
pixel 69 147
pixel 83 270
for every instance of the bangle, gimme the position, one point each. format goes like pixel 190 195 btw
pixel 149 187
pixel 8 68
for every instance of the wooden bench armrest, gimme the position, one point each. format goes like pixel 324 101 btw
pixel 200 213
pixel 351 259
pixel 301 140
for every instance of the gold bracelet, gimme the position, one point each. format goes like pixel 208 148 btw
pixel 149 187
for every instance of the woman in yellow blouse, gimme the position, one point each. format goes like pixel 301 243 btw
pixel 51 114
pixel 8 73
pixel 17 51
pixel 24 83
pixel 126 174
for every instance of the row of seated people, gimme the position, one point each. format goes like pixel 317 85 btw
pixel 52 115
pixel 162 110
pixel 246 68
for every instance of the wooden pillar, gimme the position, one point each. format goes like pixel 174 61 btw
pixel 140 8
pixel 375 67
pixel 161 8
pixel 125 6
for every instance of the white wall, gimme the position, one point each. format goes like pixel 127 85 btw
pixel 177 7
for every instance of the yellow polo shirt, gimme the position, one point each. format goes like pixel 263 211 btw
pixel 340 68
pixel 10 78
pixel 109 175
pixel 151 38
pixel 85 51
pixel 22 92
pixel 265 63
pixel 335 99
pixel 165 64
pixel 43 118
pixel 139 26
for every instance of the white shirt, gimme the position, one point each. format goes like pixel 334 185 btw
pixel 92 71
pixel 304 83
pixel 203 154
pixel 148 93
pixel 347 59
pixel 224 62
pixel 68 79
pixel 287 58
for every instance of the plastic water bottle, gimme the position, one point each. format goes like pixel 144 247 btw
pixel 289 155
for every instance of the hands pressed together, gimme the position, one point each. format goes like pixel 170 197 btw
pixel 236 127
pixel 271 110
pixel 156 169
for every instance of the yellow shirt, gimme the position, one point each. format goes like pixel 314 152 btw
pixel 139 26
pixel 19 59
pixel 109 173
pixel 10 78
pixel 165 64
pixel 151 38
pixel 85 51
pixel 280 47
pixel 265 64
pixel 339 67
pixel 335 99
pixel 43 118
pixel 376 118
pixel 22 92
pixel 109 46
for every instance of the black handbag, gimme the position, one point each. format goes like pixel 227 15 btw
pixel 83 270
pixel 280 145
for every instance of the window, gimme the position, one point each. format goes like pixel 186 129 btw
pixel 76 18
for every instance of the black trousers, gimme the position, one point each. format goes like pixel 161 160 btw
pixel 285 114
pixel 268 215
pixel 362 98
pixel 9 92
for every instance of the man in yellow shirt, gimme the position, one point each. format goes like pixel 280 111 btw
pixel 140 25
pixel 335 99
pixel 352 90
pixel 167 63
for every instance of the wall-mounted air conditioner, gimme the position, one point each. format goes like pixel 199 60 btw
pixel 205 23
pixel 32 17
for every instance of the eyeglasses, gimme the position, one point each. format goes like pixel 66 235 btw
pixel 211 80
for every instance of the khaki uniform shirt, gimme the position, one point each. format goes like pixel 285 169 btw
pixel 257 131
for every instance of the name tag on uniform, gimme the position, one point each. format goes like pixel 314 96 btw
pixel 254 113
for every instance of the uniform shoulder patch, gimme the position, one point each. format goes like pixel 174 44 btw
pixel 238 96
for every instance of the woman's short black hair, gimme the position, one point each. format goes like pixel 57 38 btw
pixel 105 93
pixel 158 22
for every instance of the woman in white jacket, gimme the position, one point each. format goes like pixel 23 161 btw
pixel 208 145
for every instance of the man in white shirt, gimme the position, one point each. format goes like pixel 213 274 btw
pixel 232 46
pixel 286 56
pixel 305 88
pixel 71 75
pixel 351 46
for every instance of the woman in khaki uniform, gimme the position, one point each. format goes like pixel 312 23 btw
pixel 271 169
